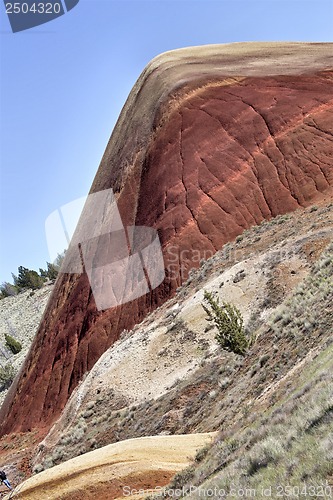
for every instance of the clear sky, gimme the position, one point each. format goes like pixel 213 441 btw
pixel 64 83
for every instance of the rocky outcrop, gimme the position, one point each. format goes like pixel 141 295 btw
pixel 211 141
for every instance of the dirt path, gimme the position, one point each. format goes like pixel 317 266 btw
pixel 116 470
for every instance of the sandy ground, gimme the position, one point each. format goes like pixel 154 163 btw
pixel 116 470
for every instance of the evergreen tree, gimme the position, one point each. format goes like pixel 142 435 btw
pixel 50 273
pixel 27 278
pixel 229 322
pixel 52 269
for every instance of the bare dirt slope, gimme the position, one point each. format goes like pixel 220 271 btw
pixel 136 464
pixel 168 374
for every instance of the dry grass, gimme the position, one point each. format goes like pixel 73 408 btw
pixel 224 387
pixel 287 442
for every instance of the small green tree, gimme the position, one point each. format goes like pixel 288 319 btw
pixel 13 344
pixel 52 270
pixel 50 273
pixel 229 322
pixel 27 278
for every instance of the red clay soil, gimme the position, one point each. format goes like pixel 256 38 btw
pixel 206 158
pixel 146 481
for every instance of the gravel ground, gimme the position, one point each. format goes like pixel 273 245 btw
pixel 20 317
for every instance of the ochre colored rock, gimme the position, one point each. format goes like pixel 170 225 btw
pixel 211 141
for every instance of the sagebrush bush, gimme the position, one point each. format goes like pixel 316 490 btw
pixel 38 468
pixel 229 322
pixel 7 290
pixel 7 375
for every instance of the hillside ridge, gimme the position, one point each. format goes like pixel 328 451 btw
pixel 222 161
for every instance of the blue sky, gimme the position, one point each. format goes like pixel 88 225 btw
pixel 64 83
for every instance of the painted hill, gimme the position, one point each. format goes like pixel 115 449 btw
pixel 211 141
pixel 137 463
pixel 168 376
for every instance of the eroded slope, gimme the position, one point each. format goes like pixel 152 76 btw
pixel 200 157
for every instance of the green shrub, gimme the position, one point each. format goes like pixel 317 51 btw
pixel 229 322
pixel 27 278
pixel 37 468
pixel 13 344
pixel 52 270
pixel 88 413
pixel 202 453
pixel 48 463
pixel 7 375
